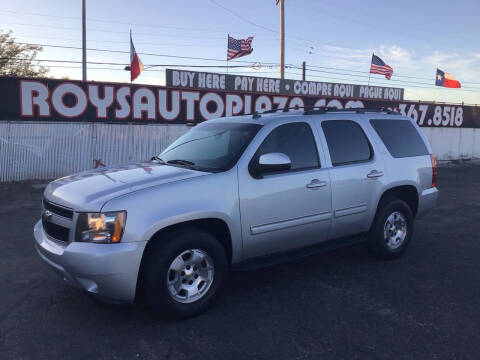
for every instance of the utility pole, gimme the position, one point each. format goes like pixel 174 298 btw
pixel 303 70
pixel 282 39
pixel 84 42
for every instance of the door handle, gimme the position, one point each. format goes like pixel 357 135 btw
pixel 374 174
pixel 315 183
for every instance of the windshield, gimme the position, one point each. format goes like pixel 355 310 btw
pixel 210 147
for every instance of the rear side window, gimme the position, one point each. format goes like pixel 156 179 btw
pixel 296 141
pixel 400 137
pixel 346 142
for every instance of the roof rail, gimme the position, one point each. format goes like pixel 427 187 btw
pixel 382 109
pixel 324 110
pixel 312 110
pixel 257 115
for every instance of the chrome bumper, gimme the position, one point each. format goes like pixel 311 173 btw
pixel 109 271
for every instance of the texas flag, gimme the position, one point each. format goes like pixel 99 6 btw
pixel 446 80
pixel 136 65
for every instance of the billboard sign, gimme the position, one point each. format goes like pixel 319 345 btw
pixel 274 86
pixel 77 101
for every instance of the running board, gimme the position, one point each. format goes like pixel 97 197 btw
pixel 295 254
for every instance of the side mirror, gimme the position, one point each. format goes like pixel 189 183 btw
pixel 272 162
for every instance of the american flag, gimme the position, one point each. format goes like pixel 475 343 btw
pixel 239 48
pixel 379 67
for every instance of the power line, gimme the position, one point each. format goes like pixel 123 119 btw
pixel 242 17
pixel 114 41
pixel 239 72
pixel 126 64
pixel 381 82
pixel 335 72
pixel 141 53
pixel 310 67
pixel 216 66
pixel 394 74
pixel 363 76
pixel 113 32
pixel 149 34
pixel 118 22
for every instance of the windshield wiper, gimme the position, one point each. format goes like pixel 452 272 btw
pixel 186 163
pixel 158 159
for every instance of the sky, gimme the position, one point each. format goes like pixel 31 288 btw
pixel 336 38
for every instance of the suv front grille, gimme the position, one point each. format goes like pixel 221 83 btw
pixel 57 232
pixel 57 221
pixel 61 211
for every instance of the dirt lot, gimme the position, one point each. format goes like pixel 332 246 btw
pixel 338 305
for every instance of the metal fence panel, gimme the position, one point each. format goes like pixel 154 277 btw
pixel 46 150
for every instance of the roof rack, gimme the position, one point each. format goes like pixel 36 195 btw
pixel 312 110
pixel 382 109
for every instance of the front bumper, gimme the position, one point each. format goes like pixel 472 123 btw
pixel 427 201
pixel 109 271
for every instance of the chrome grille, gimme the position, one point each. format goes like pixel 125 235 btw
pixel 56 209
pixel 57 221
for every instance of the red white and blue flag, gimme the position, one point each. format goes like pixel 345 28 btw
pixel 446 80
pixel 136 65
pixel 239 48
pixel 379 67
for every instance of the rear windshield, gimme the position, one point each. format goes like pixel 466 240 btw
pixel 400 137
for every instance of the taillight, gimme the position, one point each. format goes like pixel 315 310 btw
pixel 434 170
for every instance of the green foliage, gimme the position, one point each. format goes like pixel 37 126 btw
pixel 19 59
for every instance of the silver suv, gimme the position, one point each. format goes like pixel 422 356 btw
pixel 237 192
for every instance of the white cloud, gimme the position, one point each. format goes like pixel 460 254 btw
pixel 416 71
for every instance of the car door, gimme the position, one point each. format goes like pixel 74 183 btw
pixel 286 209
pixel 356 174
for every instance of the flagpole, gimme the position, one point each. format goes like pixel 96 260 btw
pixel 228 37
pixel 131 55
pixel 84 42
pixel 282 39
pixel 369 73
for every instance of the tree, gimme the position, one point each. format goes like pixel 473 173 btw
pixel 19 59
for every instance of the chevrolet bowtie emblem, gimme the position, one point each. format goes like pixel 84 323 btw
pixel 46 215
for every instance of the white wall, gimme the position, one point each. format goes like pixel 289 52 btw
pixel 48 150
pixel 454 143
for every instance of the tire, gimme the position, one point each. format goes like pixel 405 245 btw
pixel 166 275
pixel 388 238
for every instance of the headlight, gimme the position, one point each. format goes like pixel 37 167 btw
pixel 104 228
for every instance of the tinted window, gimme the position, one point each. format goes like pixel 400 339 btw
pixel 346 141
pixel 296 141
pixel 400 137
pixel 210 146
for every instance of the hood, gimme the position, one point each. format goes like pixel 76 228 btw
pixel 90 190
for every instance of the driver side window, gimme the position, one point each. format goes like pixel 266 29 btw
pixel 294 140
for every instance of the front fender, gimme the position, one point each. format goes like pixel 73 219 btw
pixel 153 209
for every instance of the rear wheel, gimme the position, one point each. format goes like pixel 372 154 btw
pixel 392 230
pixel 183 273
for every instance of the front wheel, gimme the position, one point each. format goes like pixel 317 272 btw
pixel 392 230
pixel 183 273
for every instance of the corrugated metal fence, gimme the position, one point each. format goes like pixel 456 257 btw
pixel 46 150
pixel 40 150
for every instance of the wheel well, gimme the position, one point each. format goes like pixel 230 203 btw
pixel 215 227
pixel 407 193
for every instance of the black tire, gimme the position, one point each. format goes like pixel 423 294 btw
pixel 159 257
pixel 377 242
